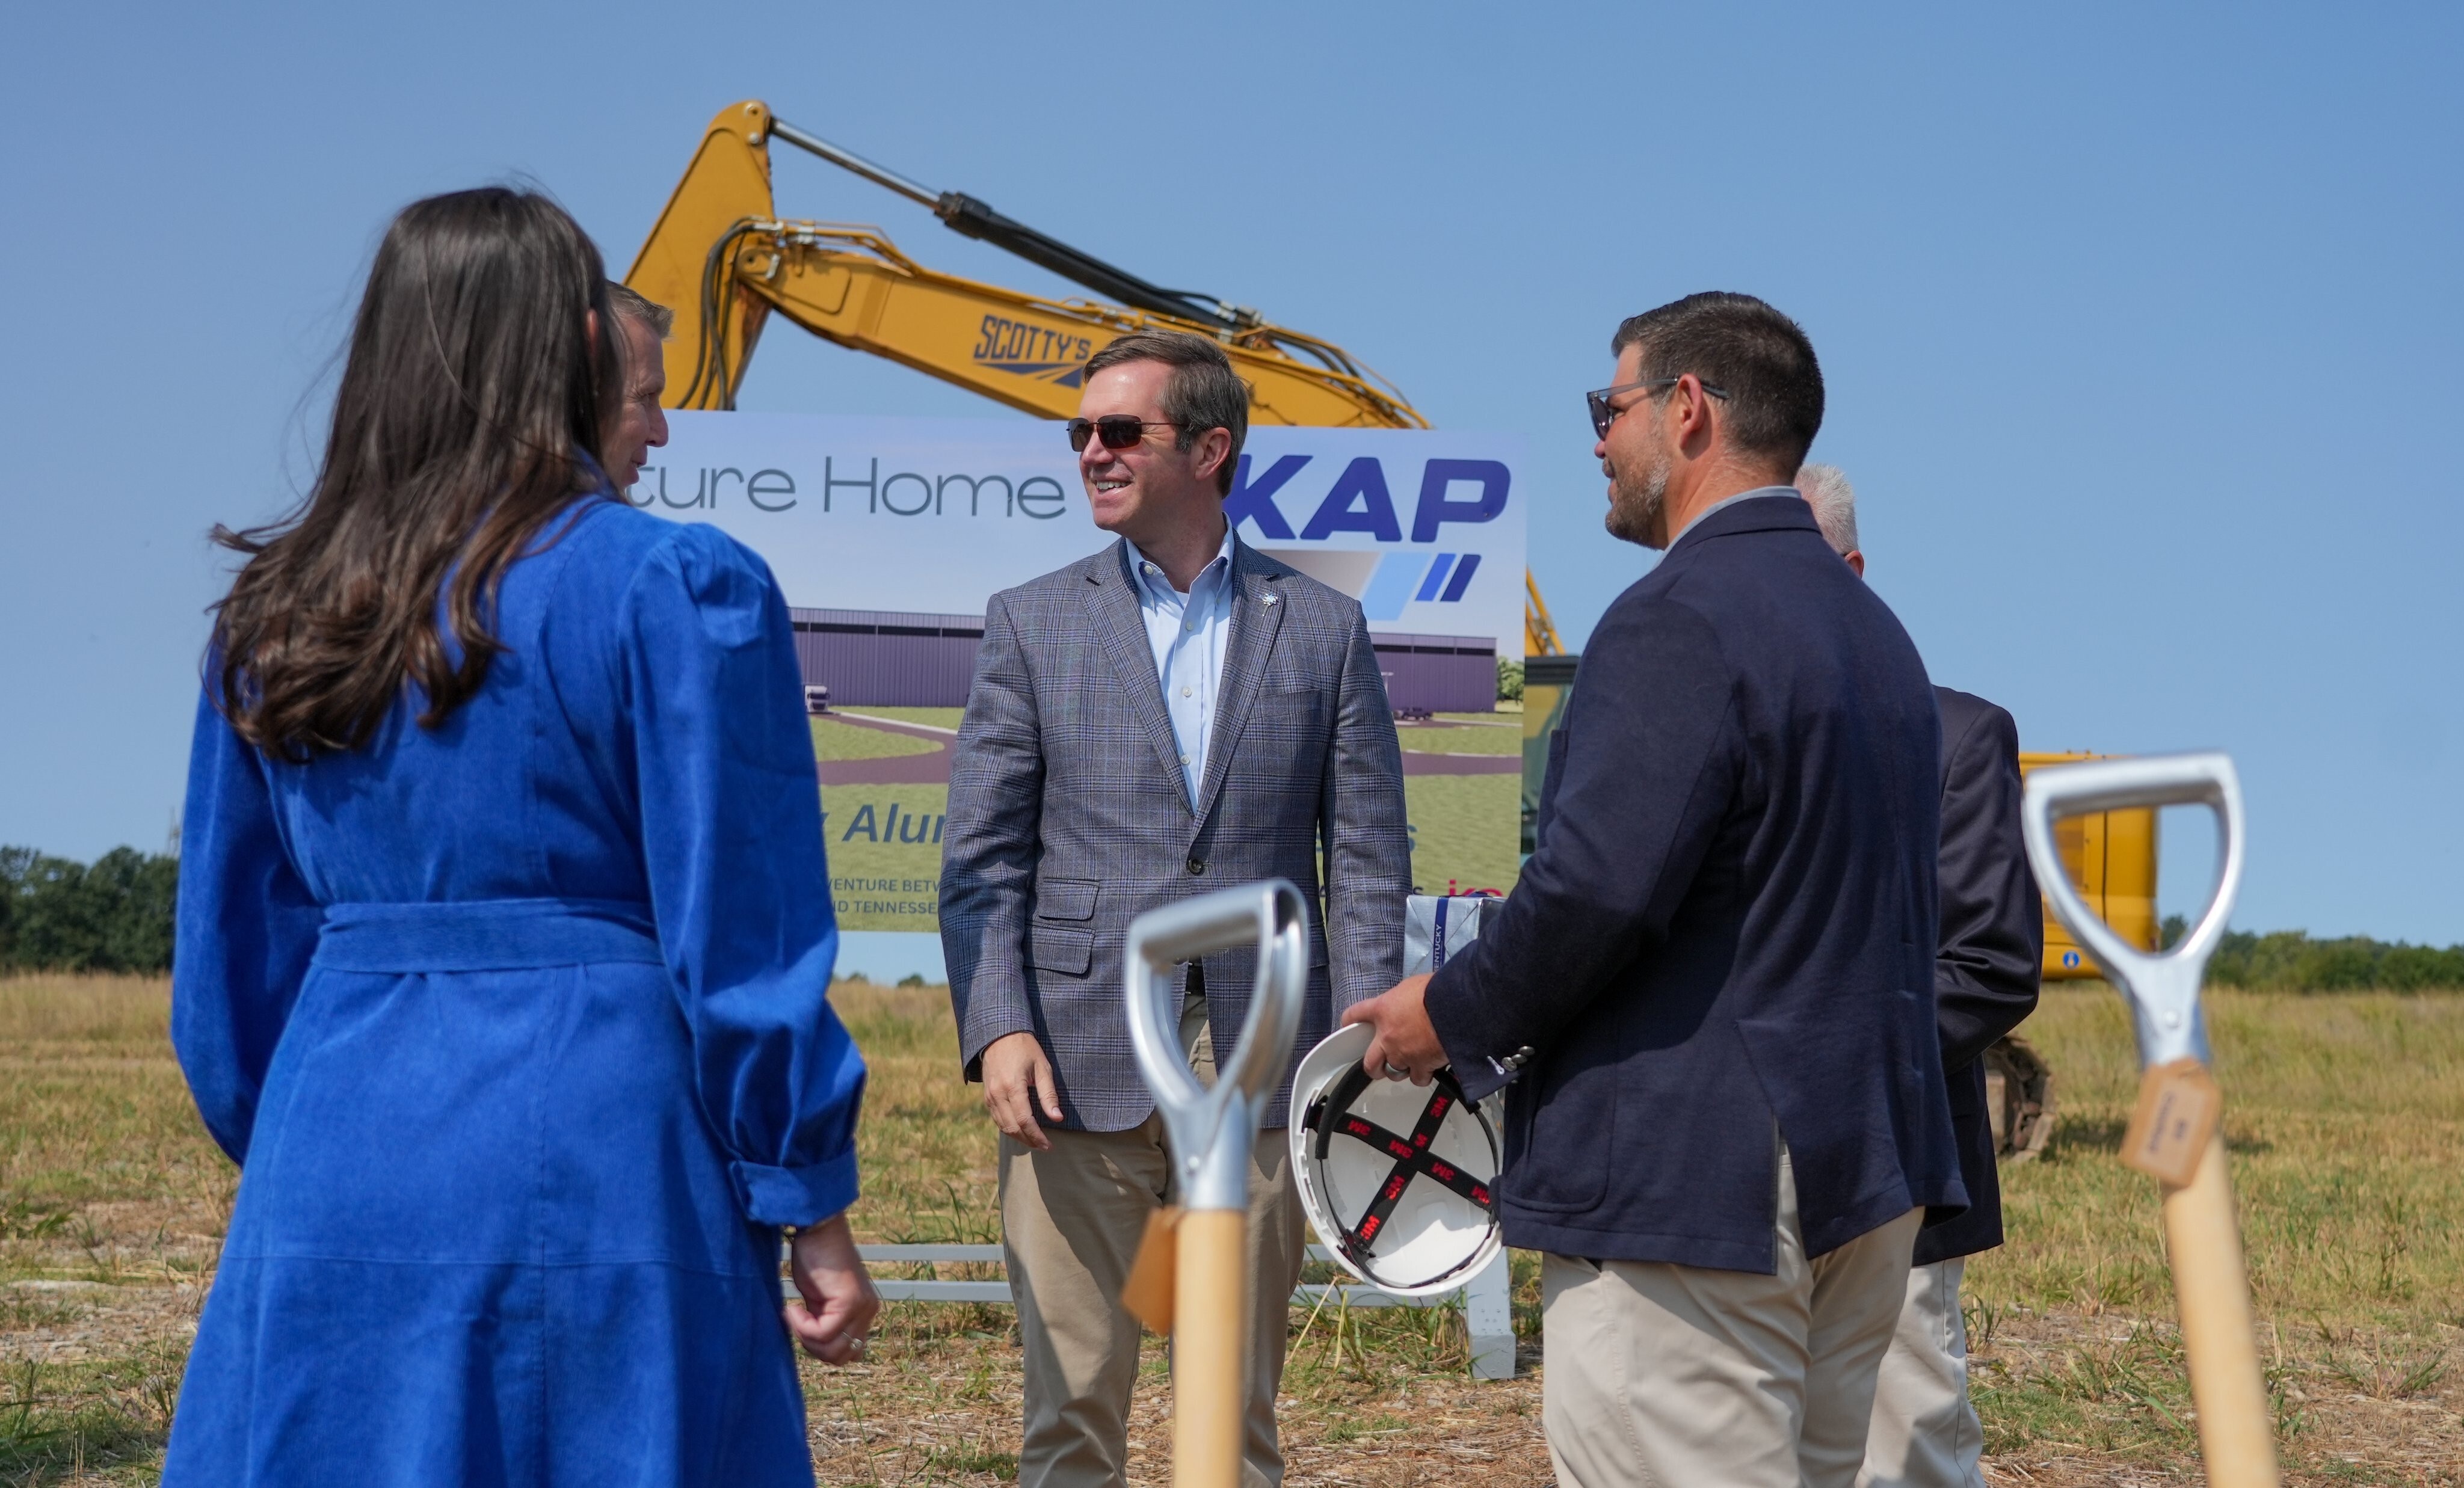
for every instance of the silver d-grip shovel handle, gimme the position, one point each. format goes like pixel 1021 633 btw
pixel 1211 1132
pixel 2162 989
pixel 2175 1134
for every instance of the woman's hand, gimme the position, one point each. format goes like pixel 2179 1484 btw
pixel 838 1303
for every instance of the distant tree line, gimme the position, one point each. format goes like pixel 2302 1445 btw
pixel 115 915
pixel 2291 961
pixel 56 915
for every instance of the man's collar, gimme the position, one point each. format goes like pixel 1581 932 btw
pixel 1141 568
pixel 1741 497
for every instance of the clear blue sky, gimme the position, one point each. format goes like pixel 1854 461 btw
pixel 2141 323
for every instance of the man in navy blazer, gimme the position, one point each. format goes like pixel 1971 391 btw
pixel 1714 981
pixel 1924 1433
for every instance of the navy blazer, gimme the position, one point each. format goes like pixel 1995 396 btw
pixel 1729 924
pixel 1992 946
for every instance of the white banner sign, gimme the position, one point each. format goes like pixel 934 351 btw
pixel 1425 528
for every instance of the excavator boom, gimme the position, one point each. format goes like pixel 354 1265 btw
pixel 722 259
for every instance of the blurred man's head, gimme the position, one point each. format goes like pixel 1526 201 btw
pixel 641 423
pixel 1827 491
pixel 1713 395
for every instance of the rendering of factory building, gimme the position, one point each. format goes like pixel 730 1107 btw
pixel 892 659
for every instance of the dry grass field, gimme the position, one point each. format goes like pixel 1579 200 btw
pixel 2345 1114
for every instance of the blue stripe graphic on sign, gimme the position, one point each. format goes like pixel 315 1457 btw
pixel 1391 589
pixel 1437 576
pixel 1463 578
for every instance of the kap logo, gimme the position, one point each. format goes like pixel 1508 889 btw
pixel 1361 501
pixel 1048 356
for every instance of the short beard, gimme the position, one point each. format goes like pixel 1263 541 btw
pixel 1635 503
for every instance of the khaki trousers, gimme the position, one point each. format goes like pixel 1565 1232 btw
pixel 1924 1433
pixel 1071 1220
pixel 1671 1377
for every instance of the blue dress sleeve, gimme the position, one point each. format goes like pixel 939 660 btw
pixel 245 927
pixel 732 840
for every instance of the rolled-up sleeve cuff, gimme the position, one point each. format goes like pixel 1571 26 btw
pixel 796 1195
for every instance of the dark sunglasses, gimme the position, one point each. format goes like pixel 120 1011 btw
pixel 1602 415
pixel 1117 431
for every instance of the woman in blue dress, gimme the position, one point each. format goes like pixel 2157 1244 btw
pixel 505 935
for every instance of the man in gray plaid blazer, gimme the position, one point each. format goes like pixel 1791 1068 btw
pixel 1176 713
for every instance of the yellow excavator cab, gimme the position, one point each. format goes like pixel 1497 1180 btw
pixel 2111 858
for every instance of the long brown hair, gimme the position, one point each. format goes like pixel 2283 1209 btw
pixel 468 416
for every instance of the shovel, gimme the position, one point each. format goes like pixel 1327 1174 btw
pixel 2175 1135
pixel 1192 1275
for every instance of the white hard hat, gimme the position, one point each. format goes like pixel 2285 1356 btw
pixel 1398 1179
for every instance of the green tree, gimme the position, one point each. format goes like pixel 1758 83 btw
pixel 134 896
pixel 57 915
pixel 2415 968
pixel 2291 961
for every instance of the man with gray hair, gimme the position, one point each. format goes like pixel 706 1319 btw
pixel 1923 1432
pixel 1825 488
pixel 641 423
pixel 1175 713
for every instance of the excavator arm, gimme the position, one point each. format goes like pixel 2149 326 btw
pixel 724 261
pixel 1539 630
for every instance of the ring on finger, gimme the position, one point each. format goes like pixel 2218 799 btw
pixel 1392 1073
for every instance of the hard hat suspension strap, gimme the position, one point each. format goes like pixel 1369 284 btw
pixel 1411 1154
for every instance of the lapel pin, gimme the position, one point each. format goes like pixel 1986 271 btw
pixel 1270 597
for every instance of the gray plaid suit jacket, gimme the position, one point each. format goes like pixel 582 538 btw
pixel 1068 816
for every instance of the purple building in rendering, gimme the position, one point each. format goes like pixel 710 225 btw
pixel 891 659
pixel 887 658
pixel 1439 674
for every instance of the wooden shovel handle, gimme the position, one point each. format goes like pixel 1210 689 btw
pixel 2235 1427
pixel 1210 1348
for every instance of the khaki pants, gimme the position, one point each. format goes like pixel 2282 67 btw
pixel 1924 1433
pixel 1071 1219
pixel 1671 1377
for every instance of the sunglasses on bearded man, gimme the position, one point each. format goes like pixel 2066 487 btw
pixel 1602 415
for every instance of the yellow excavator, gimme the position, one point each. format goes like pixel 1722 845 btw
pixel 723 260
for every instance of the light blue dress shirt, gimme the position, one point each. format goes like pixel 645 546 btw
pixel 1187 633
